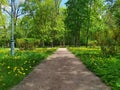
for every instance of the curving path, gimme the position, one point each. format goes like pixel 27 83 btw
pixel 61 71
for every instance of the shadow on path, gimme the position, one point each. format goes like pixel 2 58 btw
pixel 61 71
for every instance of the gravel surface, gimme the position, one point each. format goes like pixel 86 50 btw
pixel 61 71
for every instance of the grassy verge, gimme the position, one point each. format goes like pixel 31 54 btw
pixel 106 67
pixel 14 69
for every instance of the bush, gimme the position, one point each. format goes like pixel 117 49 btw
pixel 92 43
pixel 107 42
pixel 27 43
pixel 4 42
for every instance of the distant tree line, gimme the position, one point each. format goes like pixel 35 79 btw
pixel 44 23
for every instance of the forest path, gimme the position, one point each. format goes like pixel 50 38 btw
pixel 61 71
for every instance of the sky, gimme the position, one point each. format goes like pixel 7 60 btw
pixel 63 2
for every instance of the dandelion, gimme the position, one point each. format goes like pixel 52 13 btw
pixel 23 73
pixel 8 67
pixel 19 71
pixel 25 62
pixel 14 69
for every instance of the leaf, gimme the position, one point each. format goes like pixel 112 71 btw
pixel 118 83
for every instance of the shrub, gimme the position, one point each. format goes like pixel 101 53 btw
pixel 27 43
pixel 107 42
pixel 4 42
pixel 92 43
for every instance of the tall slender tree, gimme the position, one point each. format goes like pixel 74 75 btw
pixel 76 15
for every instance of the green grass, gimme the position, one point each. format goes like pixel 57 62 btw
pixel 106 67
pixel 14 69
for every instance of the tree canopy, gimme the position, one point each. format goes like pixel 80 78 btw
pixel 80 23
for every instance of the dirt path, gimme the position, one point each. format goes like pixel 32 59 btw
pixel 61 71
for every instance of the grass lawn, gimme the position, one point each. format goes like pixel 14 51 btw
pixel 106 67
pixel 14 69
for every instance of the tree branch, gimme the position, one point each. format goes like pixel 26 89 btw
pixel 6 11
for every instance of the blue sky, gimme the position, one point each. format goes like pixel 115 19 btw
pixel 63 2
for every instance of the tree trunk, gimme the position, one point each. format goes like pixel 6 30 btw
pixel 79 38
pixel 43 44
pixel 87 37
pixel 52 44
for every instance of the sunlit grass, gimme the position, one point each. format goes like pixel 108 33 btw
pixel 14 69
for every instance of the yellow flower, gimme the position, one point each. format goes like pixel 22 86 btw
pixel 19 71
pixel 14 69
pixel 8 67
pixel 25 62
pixel 23 73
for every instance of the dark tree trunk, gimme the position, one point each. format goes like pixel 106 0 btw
pixel 87 37
pixel 52 44
pixel 43 44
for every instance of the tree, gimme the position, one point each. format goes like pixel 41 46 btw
pixel 46 21
pixel 115 10
pixel 77 13
pixel 4 34
pixel 2 17
pixel 107 28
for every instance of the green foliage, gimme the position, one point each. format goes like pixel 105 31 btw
pixel 44 20
pixel 28 43
pixel 107 43
pixel 107 68
pixel 83 19
pixel 14 69
pixel 4 42
pixel 82 22
pixel 4 38
pixel 2 2
pixel 92 43
pixel 74 19
pixel 107 37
